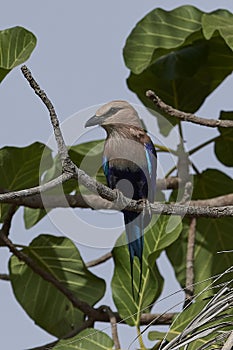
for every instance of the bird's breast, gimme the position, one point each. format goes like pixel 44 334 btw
pixel 125 153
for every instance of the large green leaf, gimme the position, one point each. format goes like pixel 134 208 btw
pixel 176 54
pixel 88 339
pixel 162 232
pixel 158 33
pixel 87 156
pixel 47 306
pixel 220 21
pixel 224 143
pixel 212 235
pixel 20 167
pixel 16 46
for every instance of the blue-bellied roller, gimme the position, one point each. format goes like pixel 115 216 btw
pixel 129 164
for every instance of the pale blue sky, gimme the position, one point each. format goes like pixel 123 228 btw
pixel 78 61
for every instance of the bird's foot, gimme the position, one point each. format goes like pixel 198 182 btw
pixel 121 201
pixel 146 211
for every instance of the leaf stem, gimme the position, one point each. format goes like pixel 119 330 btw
pixel 165 149
pixel 142 346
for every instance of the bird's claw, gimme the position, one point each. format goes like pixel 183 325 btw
pixel 146 212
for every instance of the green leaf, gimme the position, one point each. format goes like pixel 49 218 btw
pixel 20 167
pixel 88 339
pixel 16 46
pixel 212 235
pixel 158 33
pixel 224 143
pixel 47 306
pixel 168 53
pixel 87 156
pixel 218 21
pixel 32 216
pixel 211 183
pixel 161 232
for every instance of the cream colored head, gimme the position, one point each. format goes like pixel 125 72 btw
pixel 115 112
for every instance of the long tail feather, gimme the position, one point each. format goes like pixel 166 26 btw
pixel 134 233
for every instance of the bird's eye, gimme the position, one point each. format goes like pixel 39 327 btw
pixel 113 110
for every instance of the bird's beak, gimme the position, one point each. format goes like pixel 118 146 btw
pixel 93 121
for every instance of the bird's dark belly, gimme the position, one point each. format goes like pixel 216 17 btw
pixel 131 182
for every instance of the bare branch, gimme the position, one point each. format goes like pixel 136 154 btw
pixel 12 197
pixel 8 219
pixel 62 149
pixel 4 277
pixel 152 319
pixel 219 201
pixel 189 285
pixel 78 201
pixel 113 322
pixel 5 229
pixel 81 305
pixel 215 207
pixel 31 197
pixel 188 117
pixel 100 260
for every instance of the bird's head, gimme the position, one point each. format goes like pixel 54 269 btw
pixel 113 113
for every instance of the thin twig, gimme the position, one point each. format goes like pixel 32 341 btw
pixel 113 322
pixel 189 285
pixel 8 219
pixel 12 197
pixel 100 260
pixel 4 277
pixel 188 117
pixel 5 229
pixel 62 149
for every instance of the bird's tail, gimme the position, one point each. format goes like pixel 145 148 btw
pixel 134 232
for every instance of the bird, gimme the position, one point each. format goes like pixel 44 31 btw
pixel 129 164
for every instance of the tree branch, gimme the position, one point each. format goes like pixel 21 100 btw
pixel 4 277
pixel 8 219
pixel 189 285
pixel 100 260
pixel 81 305
pixel 12 197
pixel 5 229
pixel 78 201
pixel 113 322
pixel 188 117
pixel 217 207
pixel 104 191
pixel 62 149
pixel 152 319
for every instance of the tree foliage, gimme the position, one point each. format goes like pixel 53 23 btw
pixel 183 55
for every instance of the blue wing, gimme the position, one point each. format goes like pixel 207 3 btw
pixel 152 168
